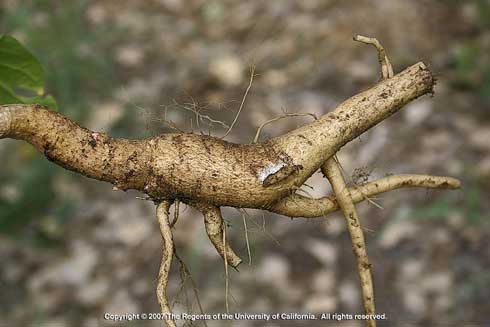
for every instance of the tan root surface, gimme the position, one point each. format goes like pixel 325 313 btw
pixel 208 172
pixel 167 255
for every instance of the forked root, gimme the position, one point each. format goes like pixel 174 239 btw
pixel 167 255
pixel 213 221
pixel 332 171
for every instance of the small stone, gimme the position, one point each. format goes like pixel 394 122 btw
pixel 227 69
pixel 395 232
pixel 323 251
pixel 414 300
pixel 130 55
pixel 349 294
pixel 121 303
pixel 323 281
pixel 105 116
pixel 417 111
pixel 96 14
pixel 93 292
pixel 411 269
pixel 274 269
pixel 321 303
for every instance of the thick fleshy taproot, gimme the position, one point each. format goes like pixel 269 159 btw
pixel 209 169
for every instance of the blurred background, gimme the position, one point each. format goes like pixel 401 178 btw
pixel 72 249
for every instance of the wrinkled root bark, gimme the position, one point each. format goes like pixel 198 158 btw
pixel 167 255
pixel 208 169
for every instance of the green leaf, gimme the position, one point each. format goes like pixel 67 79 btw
pixel 7 95
pixel 19 69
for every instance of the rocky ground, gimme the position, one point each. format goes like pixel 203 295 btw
pixel 121 66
